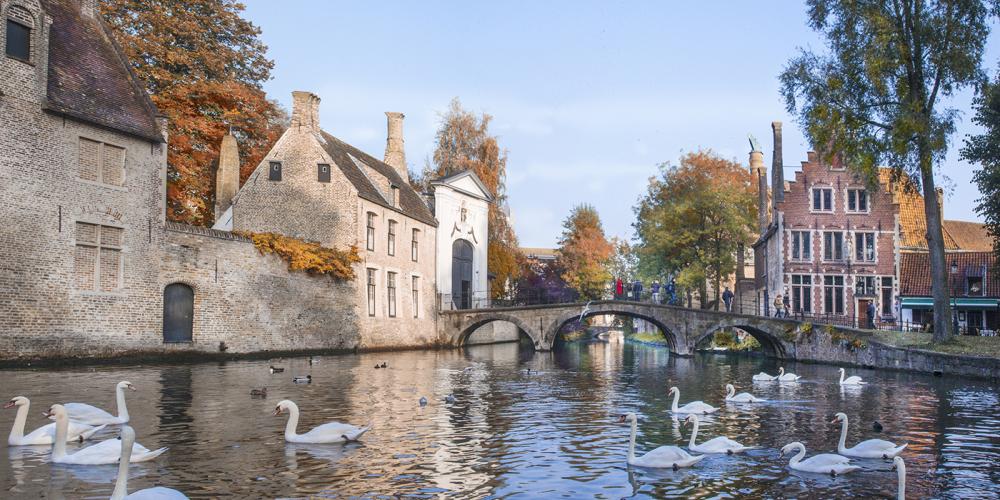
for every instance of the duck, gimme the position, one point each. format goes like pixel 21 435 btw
pixel 897 463
pixel 786 377
pixel 877 427
pixel 120 492
pixel 852 380
pixel 385 365
pixel 303 380
pixel 106 452
pixel 743 397
pixel 872 448
pixel 824 463
pixel 274 369
pixel 662 457
pixel 763 377
pixel 313 361
pixel 450 399
pixel 692 407
pixel 91 415
pixel 261 393
pixel 423 401
pixel 721 444
pixel 331 432
pixel 44 434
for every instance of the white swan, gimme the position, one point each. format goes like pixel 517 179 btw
pixel 44 434
pixel 105 452
pixel 786 377
pixel 872 448
pixel 664 456
pixel 692 407
pixel 852 380
pixel 121 484
pixel 720 444
pixel 92 415
pixel 763 377
pixel 824 463
pixel 332 432
pixel 897 463
pixel 743 397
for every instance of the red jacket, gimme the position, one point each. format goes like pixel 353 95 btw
pixel 618 287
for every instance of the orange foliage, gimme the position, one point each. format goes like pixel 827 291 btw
pixel 306 255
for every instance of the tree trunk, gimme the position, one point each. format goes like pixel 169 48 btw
pixel 940 278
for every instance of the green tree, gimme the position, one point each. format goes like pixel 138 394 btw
pixel 464 143
pixel 623 262
pixel 874 96
pixel 584 252
pixel 203 65
pixel 985 150
pixel 693 220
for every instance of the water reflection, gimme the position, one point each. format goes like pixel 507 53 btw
pixel 547 432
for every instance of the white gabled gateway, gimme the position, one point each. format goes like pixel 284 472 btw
pixel 461 206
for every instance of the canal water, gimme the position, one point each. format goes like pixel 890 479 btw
pixel 548 433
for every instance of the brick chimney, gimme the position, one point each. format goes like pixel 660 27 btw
pixel 227 175
pixel 395 152
pixel 759 171
pixel 305 110
pixel 777 168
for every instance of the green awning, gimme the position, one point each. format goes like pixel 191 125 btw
pixel 962 302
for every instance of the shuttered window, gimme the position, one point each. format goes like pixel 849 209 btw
pixel 19 24
pixel 98 257
pixel 101 162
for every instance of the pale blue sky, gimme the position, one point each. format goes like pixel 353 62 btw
pixel 588 97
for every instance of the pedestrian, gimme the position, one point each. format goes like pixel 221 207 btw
pixel 786 303
pixel 656 291
pixel 727 297
pixel 619 289
pixel 871 315
pixel 636 290
pixel 777 305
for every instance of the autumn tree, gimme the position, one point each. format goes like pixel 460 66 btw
pixel 464 142
pixel 203 65
pixel 584 253
pixel 874 95
pixel 693 220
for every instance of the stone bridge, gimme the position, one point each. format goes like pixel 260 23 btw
pixel 683 328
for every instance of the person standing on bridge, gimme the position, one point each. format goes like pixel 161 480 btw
pixel 777 306
pixel 655 288
pixel 786 302
pixel 619 289
pixel 672 292
pixel 636 290
pixel 727 297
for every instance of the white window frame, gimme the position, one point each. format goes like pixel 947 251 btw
pixel 798 289
pixel 843 293
pixel 823 246
pixel 799 247
pixel 847 201
pixel 865 235
pixel 812 198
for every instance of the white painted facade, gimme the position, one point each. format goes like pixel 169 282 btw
pixel 461 206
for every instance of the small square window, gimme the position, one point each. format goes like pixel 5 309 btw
pixel 323 172
pixel 274 172
pixel 18 40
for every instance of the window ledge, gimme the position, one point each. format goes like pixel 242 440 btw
pixel 103 185
pixel 18 59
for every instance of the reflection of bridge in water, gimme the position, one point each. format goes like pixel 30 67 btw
pixel 683 328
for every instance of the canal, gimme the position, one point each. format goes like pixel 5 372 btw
pixel 545 433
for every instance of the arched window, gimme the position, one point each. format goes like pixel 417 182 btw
pixel 178 313
pixel 19 26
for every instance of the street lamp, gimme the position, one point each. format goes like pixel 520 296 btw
pixel 954 304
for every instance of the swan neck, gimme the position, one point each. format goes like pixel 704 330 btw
pixel 59 443
pixel 842 445
pixel 293 421
pixel 631 441
pixel 121 484
pixel 694 433
pixel 798 456
pixel 677 396
pixel 729 392
pixel 901 476
pixel 122 409
pixel 17 432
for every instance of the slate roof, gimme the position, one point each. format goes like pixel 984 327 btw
pixel 411 203
pixel 89 77
pixel 915 276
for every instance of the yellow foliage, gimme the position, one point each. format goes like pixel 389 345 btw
pixel 306 255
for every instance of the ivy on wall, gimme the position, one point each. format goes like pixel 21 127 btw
pixel 307 256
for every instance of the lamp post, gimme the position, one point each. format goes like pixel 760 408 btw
pixel 954 304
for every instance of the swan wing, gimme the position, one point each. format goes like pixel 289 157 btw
pixel 90 415
pixel 721 444
pixel 105 452
pixel 852 380
pixel 746 397
pixel 666 453
pixel 875 448
pixel 147 456
pixel 332 432
pixel 763 377
pixel 157 493
pixel 825 460
pixel 47 433
pixel 697 407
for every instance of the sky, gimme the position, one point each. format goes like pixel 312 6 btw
pixel 587 97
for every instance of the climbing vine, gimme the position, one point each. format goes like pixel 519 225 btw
pixel 307 256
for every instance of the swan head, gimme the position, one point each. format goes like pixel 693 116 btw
pixel 691 418
pixel 124 384
pixel 790 447
pixel 897 463
pixel 283 406
pixel 127 434
pixel 671 391
pixel 16 401
pixel 628 417
pixel 840 417
pixel 781 370
pixel 730 388
pixel 55 411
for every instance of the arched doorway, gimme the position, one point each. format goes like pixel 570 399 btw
pixel 461 274
pixel 178 313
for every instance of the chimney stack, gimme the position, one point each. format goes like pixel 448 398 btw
pixel 759 171
pixel 395 153
pixel 777 168
pixel 305 110
pixel 227 176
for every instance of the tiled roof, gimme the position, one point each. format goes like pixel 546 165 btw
pixel 912 221
pixel 968 236
pixel 89 78
pixel 915 276
pixel 411 204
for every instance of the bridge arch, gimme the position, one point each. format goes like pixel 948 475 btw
pixel 628 311
pixel 770 342
pixel 484 319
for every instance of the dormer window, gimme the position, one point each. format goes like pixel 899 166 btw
pixel 975 285
pixel 323 172
pixel 19 24
pixel 395 196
